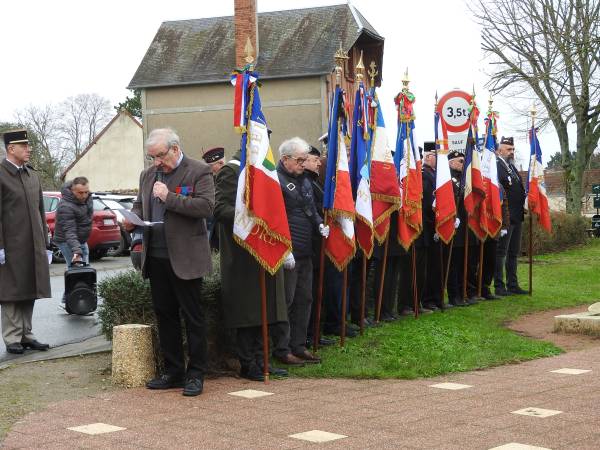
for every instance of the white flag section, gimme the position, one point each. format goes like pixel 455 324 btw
pixel 343 171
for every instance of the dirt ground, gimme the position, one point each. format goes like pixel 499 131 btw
pixel 30 387
pixel 540 326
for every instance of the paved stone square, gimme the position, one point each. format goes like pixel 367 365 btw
pixel 477 412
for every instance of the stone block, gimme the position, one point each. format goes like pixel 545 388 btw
pixel 132 355
pixel 579 323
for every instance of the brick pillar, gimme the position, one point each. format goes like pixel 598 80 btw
pixel 245 27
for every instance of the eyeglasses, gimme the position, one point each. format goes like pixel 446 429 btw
pixel 160 156
pixel 298 159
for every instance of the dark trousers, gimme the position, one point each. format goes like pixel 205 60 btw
pixel 405 283
pixel 489 265
pixel 250 346
pixel 456 273
pixel 170 295
pixel 355 287
pixel 332 299
pixel 291 335
pixel 390 284
pixel 434 278
pixel 507 253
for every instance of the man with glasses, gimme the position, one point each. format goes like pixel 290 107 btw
pixel 289 338
pixel 24 274
pixel 509 246
pixel 176 194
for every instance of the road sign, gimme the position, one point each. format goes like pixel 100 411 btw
pixel 596 202
pixel 453 109
pixel 596 189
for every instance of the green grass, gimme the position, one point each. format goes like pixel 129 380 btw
pixel 464 339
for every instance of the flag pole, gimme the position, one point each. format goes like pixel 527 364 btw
pixel 344 299
pixel 363 299
pixel 465 260
pixel 451 245
pixel 317 327
pixel 414 282
pixel 265 327
pixel 480 274
pixel 533 114
pixel 382 279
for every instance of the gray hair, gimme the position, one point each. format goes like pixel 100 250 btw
pixel 163 135
pixel 288 147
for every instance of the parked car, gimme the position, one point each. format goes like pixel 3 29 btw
pixel 105 233
pixel 117 203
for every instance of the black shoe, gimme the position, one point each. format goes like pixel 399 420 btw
pixel 388 317
pixel 472 301
pixel 350 332
pixel 490 296
pixel 15 349
pixel 193 386
pixel 430 306
pixel 501 292
pixel 165 382
pixel 446 306
pixel 458 302
pixel 425 310
pixel 323 341
pixel 406 312
pixel 278 372
pixel 35 345
pixel 252 373
pixel 517 291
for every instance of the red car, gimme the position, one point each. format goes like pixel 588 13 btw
pixel 105 234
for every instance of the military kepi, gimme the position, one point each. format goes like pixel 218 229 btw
pixel 455 154
pixel 15 137
pixel 429 146
pixel 507 140
pixel 213 154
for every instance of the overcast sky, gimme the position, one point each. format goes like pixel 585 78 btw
pixel 60 48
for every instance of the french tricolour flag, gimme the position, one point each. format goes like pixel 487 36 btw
pixel 474 188
pixel 492 206
pixel 337 197
pixel 445 207
pixel 537 199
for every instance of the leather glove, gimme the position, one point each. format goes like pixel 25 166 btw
pixel 324 230
pixel 456 223
pixel 289 262
pixel 503 233
pixel 2 256
pixel 436 237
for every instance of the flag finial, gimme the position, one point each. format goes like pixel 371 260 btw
pixel 339 57
pixel 436 99
pixel 360 67
pixel 373 72
pixel 405 79
pixel 490 103
pixel 249 51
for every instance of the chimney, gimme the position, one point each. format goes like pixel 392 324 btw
pixel 246 27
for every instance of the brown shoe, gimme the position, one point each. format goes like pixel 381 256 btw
pixel 308 357
pixel 290 360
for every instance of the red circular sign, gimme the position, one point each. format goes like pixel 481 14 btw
pixel 453 109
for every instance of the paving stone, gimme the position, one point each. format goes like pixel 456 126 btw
pixel 517 446
pixel 250 393
pixel 567 371
pixel 317 436
pixel 537 412
pixel 450 386
pixel 97 428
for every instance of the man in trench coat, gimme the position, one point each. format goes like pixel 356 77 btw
pixel 240 283
pixel 24 274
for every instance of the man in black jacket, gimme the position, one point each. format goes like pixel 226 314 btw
pixel 509 246
pixel 74 221
pixel 304 220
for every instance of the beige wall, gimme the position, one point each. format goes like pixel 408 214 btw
pixel 115 161
pixel 203 114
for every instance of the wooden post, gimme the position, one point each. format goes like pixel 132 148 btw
pixel 265 325
pixel 381 280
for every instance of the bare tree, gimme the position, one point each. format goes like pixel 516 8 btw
pixel 48 155
pixel 550 50
pixel 83 116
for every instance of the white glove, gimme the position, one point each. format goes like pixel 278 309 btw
pixel 456 223
pixel 436 237
pixel 49 256
pixel 324 230
pixel 503 233
pixel 2 256
pixel 289 262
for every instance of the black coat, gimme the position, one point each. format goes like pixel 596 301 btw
pixel 73 220
pixel 426 237
pixel 240 289
pixel 461 212
pixel 509 178
pixel 302 214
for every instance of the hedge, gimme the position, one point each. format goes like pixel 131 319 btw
pixel 568 230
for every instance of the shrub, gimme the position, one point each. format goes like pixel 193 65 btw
pixel 568 230
pixel 127 299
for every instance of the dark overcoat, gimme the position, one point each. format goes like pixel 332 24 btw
pixel 511 181
pixel 185 224
pixel 240 287
pixel 23 235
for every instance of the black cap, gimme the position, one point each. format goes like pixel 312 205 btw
pixel 429 146
pixel 314 151
pixel 507 140
pixel 455 154
pixel 15 137
pixel 213 154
